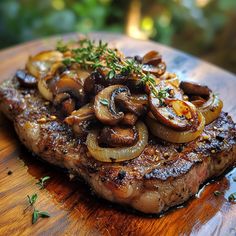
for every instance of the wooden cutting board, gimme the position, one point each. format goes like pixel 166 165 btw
pixel 73 209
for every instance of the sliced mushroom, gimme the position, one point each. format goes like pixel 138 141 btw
pixel 68 106
pixel 152 63
pixel 138 59
pixel 25 79
pixel 89 83
pixel 81 119
pixel 117 136
pixel 65 103
pixel 178 114
pixel 194 89
pixel 84 113
pixel 166 89
pixel 152 58
pixel 136 104
pixel 98 81
pixel 129 119
pixel 61 97
pixel 105 107
pixel 72 84
pixel 93 84
pixel 44 63
pixel 43 87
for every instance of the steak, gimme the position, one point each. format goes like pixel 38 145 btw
pixel 164 175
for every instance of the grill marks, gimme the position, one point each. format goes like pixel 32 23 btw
pixel 160 167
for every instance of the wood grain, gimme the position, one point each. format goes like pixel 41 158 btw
pixel 74 210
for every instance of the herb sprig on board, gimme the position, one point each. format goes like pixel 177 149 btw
pixel 32 199
pixel 42 181
pixel 36 213
pixel 90 55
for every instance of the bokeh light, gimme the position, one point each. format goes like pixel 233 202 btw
pixel 204 28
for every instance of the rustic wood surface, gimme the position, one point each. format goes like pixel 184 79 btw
pixel 74 210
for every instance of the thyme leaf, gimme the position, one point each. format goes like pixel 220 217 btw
pixel 42 181
pixel 61 46
pixel 37 214
pixel 217 193
pixel 111 74
pixel 104 102
pixel 44 214
pixel 32 199
pixel 90 55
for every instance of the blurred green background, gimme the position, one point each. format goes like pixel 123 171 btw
pixel 205 28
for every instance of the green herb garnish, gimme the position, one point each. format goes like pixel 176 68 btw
pixel 32 199
pixel 163 93
pixel 98 56
pixel 104 102
pixel 42 181
pixel 232 197
pixel 68 61
pixel 37 214
pixel 61 46
pixel 217 193
pixel 111 74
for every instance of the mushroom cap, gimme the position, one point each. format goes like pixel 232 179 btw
pixel 118 136
pixel 105 107
pixel 71 82
pixel 191 88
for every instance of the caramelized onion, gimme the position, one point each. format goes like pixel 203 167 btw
pixel 121 153
pixel 171 78
pixel 43 63
pixel 44 90
pixel 177 114
pixel 211 109
pixel 161 131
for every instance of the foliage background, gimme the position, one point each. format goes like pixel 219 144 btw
pixel 205 28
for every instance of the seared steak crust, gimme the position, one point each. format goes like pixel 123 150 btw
pixel 164 175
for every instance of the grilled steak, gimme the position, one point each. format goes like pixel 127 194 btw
pixel 164 175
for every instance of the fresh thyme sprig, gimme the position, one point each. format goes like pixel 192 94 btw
pixel 37 214
pixel 42 181
pixel 61 46
pixel 90 55
pixel 32 199
pixel 217 193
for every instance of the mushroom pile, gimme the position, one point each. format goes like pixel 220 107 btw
pixel 110 99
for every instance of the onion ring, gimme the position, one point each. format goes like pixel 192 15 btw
pixel 161 131
pixel 121 153
pixel 211 111
pixel 44 90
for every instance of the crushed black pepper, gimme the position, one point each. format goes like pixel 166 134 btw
pixel 180 148
pixel 121 175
